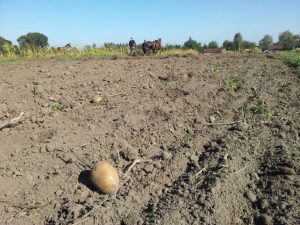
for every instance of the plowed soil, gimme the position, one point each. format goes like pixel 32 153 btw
pixel 216 141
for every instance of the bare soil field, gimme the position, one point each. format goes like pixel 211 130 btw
pixel 215 140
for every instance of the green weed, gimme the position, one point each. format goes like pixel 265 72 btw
pixel 32 215
pixel 108 52
pixel 187 137
pixel 214 68
pixel 55 107
pixel 232 84
pixel 259 107
pixel 292 59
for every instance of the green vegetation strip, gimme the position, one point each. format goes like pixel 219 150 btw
pixel 291 58
pixel 75 53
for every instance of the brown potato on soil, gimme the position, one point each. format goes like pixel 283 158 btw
pixel 105 177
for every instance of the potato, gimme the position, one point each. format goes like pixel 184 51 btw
pixel 105 177
pixel 212 119
pixel 97 99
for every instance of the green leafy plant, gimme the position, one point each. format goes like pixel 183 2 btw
pixel 55 107
pixel 292 59
pixel 32 214
pixel 214 68
pixel 232 84
pixel 259 107
pixel 187 137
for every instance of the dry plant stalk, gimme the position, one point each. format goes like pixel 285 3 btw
pixel 132 165
pixel 240 170
pixel 13 121
pixel 229 123
pixel 202 170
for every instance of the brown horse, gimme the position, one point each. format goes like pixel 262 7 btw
pixel 156 46
pixel 153 46
pixel 64 49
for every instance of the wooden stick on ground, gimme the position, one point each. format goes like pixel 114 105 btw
pixel 13 121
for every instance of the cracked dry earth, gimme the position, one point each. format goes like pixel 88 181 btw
pixel 217 136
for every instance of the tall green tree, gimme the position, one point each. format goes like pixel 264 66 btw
pixel 213 44
pixel 238 40
pixel 33 40
pixel 3 42
pixel 286 38
pixel 297 41
pixel 266 42
pixel 192 44
pixel 228 45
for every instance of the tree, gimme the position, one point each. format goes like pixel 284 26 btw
pixel 192 44
pixel 286 38
pixel 228 45
pixel 238 40
pixel 33 40
pixel 266 42
pixel 297 41
pixel 213 44
pixel 3 42
pixel 248 45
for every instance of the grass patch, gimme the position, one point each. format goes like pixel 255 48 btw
pixel 76 53
pixel 291 58
pixel 55 107
pixel 232 84
pixel 10 59
pixel 214 68
pixel 178 53
pixel 187 137
pixel 259 107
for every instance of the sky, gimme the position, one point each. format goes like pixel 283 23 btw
pixel 84 22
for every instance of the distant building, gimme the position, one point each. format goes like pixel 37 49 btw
pixel 208 51
pixel 277 47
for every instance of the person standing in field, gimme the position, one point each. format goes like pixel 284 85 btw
pixel 132 46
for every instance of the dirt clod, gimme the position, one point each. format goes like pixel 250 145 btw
pixel 262 203
pixel 166 155
pixel 251 196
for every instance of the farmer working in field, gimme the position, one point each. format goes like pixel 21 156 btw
pixel 132 46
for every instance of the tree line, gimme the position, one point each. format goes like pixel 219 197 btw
pixel 287 39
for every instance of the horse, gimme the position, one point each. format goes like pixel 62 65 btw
pixel 64 49
pixel 153 46
pixel 156 46
pixel 147 47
